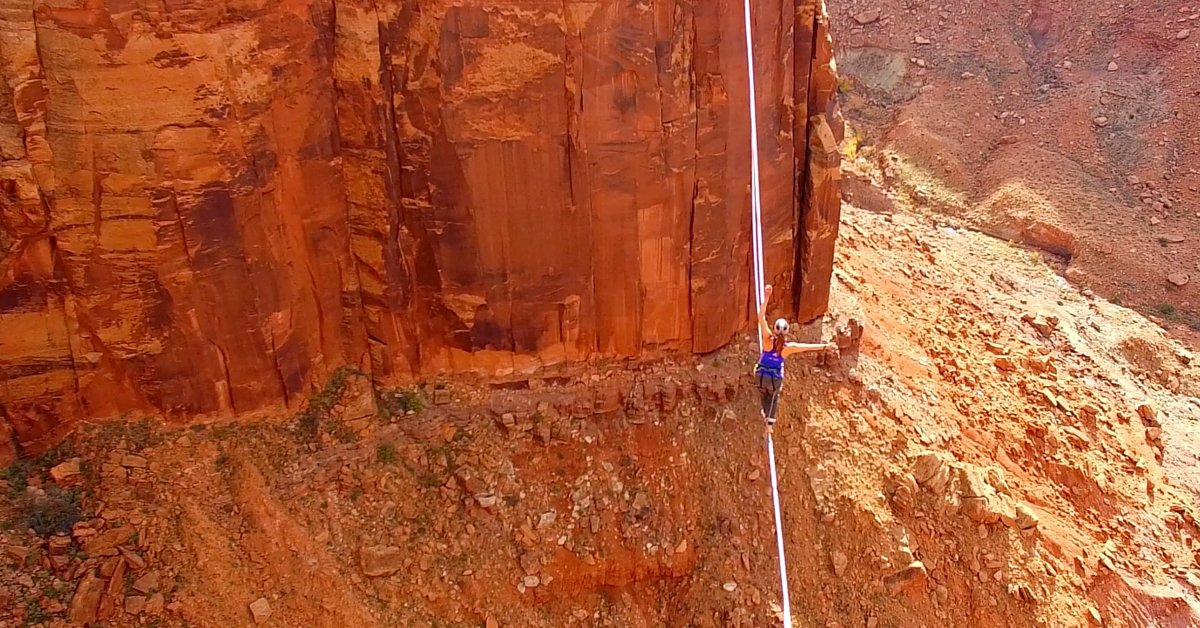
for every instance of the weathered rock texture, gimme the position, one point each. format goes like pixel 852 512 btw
pixel 207 205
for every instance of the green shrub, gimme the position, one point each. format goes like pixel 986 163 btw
pixel 53 513
pixel 34 614
pixel 396 402
pixel 320 404
pixel 385 453
pixel 16 475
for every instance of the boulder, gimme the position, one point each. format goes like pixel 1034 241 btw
pixel 380 560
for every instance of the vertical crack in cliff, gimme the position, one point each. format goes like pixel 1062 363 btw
pixel 569 96
pixel 60 278
pixel 40 75
pixel 800 241
pixel 251 165
pixel 278 372
pixel 97 192
pixel 37 54
pixel 391 186
pixel 785 115
pixel 173 199
pixel 506 260
pixel 224 357
pixel 689 26
pixel 572 38
pixel 658 70
pixel 317 305
pixel 355 261
pixel 66 321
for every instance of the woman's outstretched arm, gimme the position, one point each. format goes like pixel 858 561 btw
pixel 793 348
pixel 763 328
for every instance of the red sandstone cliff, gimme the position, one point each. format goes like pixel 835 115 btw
pixel 206 206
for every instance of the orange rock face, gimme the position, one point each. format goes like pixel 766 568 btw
pixel 207 206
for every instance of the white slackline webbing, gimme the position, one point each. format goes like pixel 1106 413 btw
pixel 760 296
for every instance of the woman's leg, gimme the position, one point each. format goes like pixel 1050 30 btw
pixel 765 390
pixel 772 404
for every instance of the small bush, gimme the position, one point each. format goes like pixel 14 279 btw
pixel 34 614
pixel 16 475
pixel 54 592
pixel 395 402
pixel 137 435
pixel 344 434
pixel 320 404
pixel 1166 309
pixel 53 513
pixel 385 454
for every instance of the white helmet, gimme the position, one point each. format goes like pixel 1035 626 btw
pixel 781 327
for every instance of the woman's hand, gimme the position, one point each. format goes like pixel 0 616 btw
pixel 762 310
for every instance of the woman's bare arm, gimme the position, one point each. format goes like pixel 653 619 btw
pixel 763 327
pixel 793 348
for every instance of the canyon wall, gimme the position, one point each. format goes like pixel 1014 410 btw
pixel 206 206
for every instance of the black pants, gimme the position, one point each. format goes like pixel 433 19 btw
pixel 770 389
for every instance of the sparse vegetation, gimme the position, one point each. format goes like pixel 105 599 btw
pixel 397 402
pixel 34 614
pixel 852 143
pixel 222 461
pixel 428 479
pixel 224 431
pixel 344 434
pixel 1189 317
pixel 90 476
pixel 16 476
pixel 54 512
pixel 18 473
pixel 54 592
pixel 386 453
pixel 320 404
pixel 137 435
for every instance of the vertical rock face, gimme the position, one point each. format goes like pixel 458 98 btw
pixel 206 206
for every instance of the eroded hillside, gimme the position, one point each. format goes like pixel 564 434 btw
pixel 997 449
pixel 1069 126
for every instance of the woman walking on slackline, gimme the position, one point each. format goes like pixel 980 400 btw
pixel 768 375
